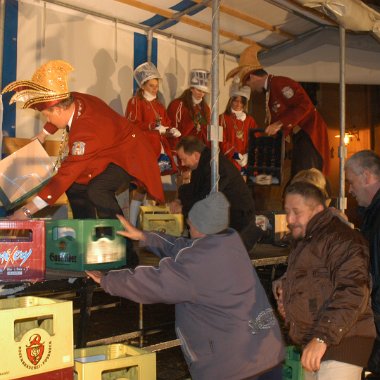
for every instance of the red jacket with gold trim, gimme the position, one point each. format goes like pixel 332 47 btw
pixel 145 115
pixel 104 137
pixel 181 119
pixel 235 135
pixel 289 103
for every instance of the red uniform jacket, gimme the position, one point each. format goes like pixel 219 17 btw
pixel 146 115
pixel 188 125
pixel 100 136
pixel 235 135
pixel 289 103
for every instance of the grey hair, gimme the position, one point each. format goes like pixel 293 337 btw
pixel 364 160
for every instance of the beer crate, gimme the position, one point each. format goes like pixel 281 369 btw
pixel 265 157
pixel 159 219
pixel 59 374
pixel 114 361
pixel 292 367
pixel 37 336
pixel 78 245
pixel 22 250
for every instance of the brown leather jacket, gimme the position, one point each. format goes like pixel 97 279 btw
pixel 327 290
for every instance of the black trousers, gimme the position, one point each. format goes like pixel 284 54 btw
pixel 304 154
pixel 98 199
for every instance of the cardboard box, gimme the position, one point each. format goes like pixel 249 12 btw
pixel 22 250
pixel 89 244
pixel 23 173
pixel 114 361
pixel 37 336
pixel 159 218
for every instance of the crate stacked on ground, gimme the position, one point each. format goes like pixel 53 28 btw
pixel 78 245
pixel 265 157
pixel 37 339
pixel 22 250
pixel 114 361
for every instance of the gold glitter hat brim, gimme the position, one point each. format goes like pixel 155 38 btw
pixel 47 87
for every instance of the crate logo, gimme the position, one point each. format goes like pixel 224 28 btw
pixel 35 349
pixel 15 256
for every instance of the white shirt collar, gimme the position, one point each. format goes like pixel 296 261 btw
pixel 71 119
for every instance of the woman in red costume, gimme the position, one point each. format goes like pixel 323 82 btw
pixel 146 112
pixel 190 113
pixel 236 125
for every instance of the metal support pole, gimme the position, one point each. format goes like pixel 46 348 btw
pixel 214 128
pixel 342 201
pixel 141 324
pixel 149 47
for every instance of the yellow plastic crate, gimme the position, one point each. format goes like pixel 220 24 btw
pixel 114 361
pixel 159 218
pixel 36 335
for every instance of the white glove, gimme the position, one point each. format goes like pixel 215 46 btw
pixel 161 129
pixel 175 132
pixel 243 159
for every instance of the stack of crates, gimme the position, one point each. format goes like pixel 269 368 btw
pixel 159 219
pixel 22 250
pixel 90 244
pixel 114 361
pixel 265 157
pixel 292 368
pixel 36 335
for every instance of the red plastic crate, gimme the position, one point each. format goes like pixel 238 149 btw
pixel 22 250
pixel 59 374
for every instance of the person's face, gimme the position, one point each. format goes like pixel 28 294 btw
pixel 357 187
pixel 198 94
pixel 299 212
pixel 190 160
pixel 255 82
pixel 237 103
pixel 57 116
pixel 152 86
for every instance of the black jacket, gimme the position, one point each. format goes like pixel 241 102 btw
pixel 231 184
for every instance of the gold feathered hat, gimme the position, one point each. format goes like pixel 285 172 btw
pixel 47 87
pixel 248 62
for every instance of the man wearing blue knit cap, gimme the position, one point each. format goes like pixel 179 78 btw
pixel 224 320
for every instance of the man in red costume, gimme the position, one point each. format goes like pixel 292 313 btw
pixel 288 108
pixel 100 150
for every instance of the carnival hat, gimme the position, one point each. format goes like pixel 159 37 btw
pixel 199 79
pixel 144 72
pixel 237 90
pixel 248 62
pixel 47 87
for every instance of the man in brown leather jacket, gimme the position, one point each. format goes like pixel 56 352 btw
pixel 325 294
